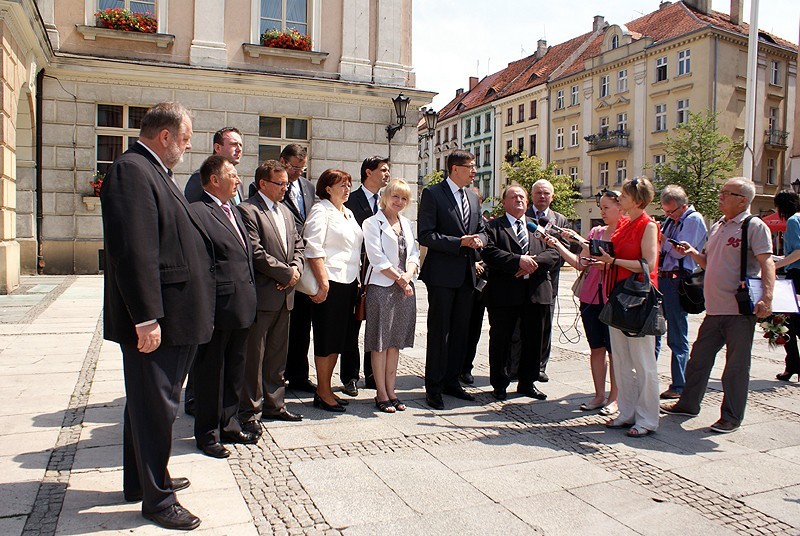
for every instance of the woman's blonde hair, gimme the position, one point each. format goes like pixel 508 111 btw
pixel 399 186
pixel 640 189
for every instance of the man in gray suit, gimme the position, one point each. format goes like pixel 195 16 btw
pixel 278 263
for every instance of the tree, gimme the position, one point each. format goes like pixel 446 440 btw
pixel 526 170
pixel 699 159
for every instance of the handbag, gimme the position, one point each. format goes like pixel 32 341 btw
pixel 690 292
pixel 634 307
pixel 361 300
pixel 743 299
pixel 577 286
pixel 307 284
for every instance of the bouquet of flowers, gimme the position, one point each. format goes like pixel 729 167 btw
pixel 97 182
pixel 291 39
pixel 126 20
pixel 776 330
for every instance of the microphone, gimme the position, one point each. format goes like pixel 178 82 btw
pixel 548 225
pixel 537 230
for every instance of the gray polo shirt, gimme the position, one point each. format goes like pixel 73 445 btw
pixel 723 260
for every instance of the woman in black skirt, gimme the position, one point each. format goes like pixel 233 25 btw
pixel 390 306
pixel 333 248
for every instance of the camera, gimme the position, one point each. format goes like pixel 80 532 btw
pixel 595 245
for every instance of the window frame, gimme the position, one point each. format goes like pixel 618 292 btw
pixel 602 174
pixel 622 121
pixel 573 135
pixel 574 98
pixel 559 138
pixel 487 119
pixel 573 174
pixel 622 80
pixel 661 73
pixel 126 132
pixel 622 171
pixel 772 119
pixel 284 140
pixel 533 109
pixel 467 128
pixel 605 86
pixel 314 10
pixel 658 160
pixel 521 113
pixel 487 154
pixel 509 116
pixel 477 125
pixel 684 61
pixel 162 10
pixel 532 142
pixel 775 72
pixel 661 118
pixel 604 126
pixel 772 171
pixel 682 111
pixel 560 99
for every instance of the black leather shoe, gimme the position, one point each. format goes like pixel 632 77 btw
pixel 351 388
pixel 459 393
pixel 467 378
pixel 188 407
pixel 369 383
pixel 335 408
pixel 284 415
pixel 543 377
pixel 434 401
pixel 243 438
pixel 177 484
pixel 500 394
pixel 252 427
pixel 175 517
pixel 305 386
pixel 532 392
pixel 215 450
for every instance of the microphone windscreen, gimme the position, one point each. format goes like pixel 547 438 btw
pixel 543 221
pixel 532 227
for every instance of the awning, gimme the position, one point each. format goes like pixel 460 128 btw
pixel 775 223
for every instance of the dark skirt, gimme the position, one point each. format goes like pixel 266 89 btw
pixel 391 318
pixel 331 319
pixel 596 332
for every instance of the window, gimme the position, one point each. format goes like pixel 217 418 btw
pixel 604 126
pixel 533 145
pixel 487 122
pixel 117 129
pixel 283 15
pixel 622 121
pixel 157 9
pixel 614 42
pixel 661 117
pixel 137 6
pixel 274 133
pixel 560 138
pixel 602 176
pixel 487 155
pixel 521 145
pixel 521 113
pixel 573 98
pixel 468 128
pixel 533 110
pixel 560 99
pixel 771 171
pixel 559 172
pixel 438 165
pixel 476 151
pixel 773 119
pixel 509 116
pixel 683 111
pixel 438 138
pixel 622 81
pixel 509 145
pixel 658 160
pixel 455 132
pixel 477 125
pixel 573 174
pixel 661 69
pixel 622 172
pixel 684 62
pixel 604 88
pixel 573 136
pixel 775 73
pixel 446 134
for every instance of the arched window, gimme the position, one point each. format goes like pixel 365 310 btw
pixel 614 42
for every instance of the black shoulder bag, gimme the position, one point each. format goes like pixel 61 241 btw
pixel 634 307
pixel 742 292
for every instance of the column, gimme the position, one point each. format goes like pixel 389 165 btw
pixel 208 46
pixel 389 69
pixel 355 64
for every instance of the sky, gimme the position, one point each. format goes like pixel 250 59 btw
pixel 456 39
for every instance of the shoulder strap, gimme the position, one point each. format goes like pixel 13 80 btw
pixel 743 265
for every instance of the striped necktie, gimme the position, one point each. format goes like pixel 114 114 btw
pixel 522 237
pixel 464 208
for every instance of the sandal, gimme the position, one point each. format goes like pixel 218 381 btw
pixel 588 406
pixel 639 432
pixel 385 405
pixel 398 405
pixel 614 424
pixel 609 409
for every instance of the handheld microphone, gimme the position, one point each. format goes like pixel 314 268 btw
pixel 537 231
pixel 548 225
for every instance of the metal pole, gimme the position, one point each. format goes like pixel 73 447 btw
pixel 748 157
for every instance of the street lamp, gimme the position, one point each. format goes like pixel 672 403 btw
pixel 796 186
pixel 599 195
pixel 431 120
pixel 400 106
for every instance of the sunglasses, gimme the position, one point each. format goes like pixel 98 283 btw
pixel 613 194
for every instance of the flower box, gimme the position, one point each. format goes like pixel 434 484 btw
pixel 290 39
pixel 126 20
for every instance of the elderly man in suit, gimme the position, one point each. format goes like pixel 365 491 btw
pixel 218 369
pixel 451 227
pixel 541 197
pixel 519 290
pixel 278 261
pixel 363 203
pixel 158 302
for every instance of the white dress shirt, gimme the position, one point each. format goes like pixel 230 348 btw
pixel 370 198
pixel 277 219
pixel 336 237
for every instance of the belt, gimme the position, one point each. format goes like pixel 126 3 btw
pixel 670 274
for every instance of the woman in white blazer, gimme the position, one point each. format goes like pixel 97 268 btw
pixel 333 241
pixel 390 305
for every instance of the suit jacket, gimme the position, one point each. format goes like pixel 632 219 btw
pixel 159 258
pixel 440 230
pixel 309 198
pixel 194 189
pixel 271 260
pixel 381 244
pixel 561 221
pixel 359 205
pixel 233 260
pixel 502 254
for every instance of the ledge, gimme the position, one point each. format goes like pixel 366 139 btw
pixel 91 202
pixel 254 51
pixel 92 32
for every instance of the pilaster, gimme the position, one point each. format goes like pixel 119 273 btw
pixel 208 46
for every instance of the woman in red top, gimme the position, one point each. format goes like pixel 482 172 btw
pixel 634 357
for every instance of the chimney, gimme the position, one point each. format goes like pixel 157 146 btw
pixel 599 23
pixel 664 4
pixel 541 48
pixel 459 92
pixel 703 6
pixel 737 12
pixel 473 81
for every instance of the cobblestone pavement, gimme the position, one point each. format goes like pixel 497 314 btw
pixel 511 467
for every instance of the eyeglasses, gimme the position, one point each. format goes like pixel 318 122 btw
pixel 725 193
pixel 296 168
pixel 671 212
pixel 613 194
pixel 281 185
pixel 470 166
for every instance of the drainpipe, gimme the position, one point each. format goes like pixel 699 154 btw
pixel 716 65
pixel 38 157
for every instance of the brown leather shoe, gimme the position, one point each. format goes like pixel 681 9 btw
pixel 669 394
pixel 174 517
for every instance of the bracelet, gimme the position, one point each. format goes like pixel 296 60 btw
pixel 613 260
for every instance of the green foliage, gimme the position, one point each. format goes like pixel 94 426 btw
pixel 433 178
pixel 526 170
pixel 699 159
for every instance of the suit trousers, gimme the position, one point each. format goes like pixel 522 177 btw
pixel 152 391
pixel 299 339
pixel 636 373
pixel 351 357
pixel 218 372
pixel 264 389
pixel 448 318
pixel 502 323
pixel 473 332
pixel 547 338
pixel 736 333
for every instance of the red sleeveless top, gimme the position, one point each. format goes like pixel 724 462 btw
pixel 627 240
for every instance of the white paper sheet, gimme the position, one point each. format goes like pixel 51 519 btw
pixel 784 298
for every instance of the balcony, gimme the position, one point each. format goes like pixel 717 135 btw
pixel 776 139
pixel 610 141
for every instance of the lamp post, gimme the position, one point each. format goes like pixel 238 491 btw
pixel 400 107
pixel 598 196
pixel 796 186
pixel 431 119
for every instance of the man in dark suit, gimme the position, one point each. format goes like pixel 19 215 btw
pixel 475 325
pixel 158 302
pixel 299 198
pixel 541 197
pixel 364 203
pixel 227 143
pixel 451 227
pixel 218 369
pixel 278 260
pixel 518 290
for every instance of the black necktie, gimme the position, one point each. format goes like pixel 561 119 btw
pixel 375 203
